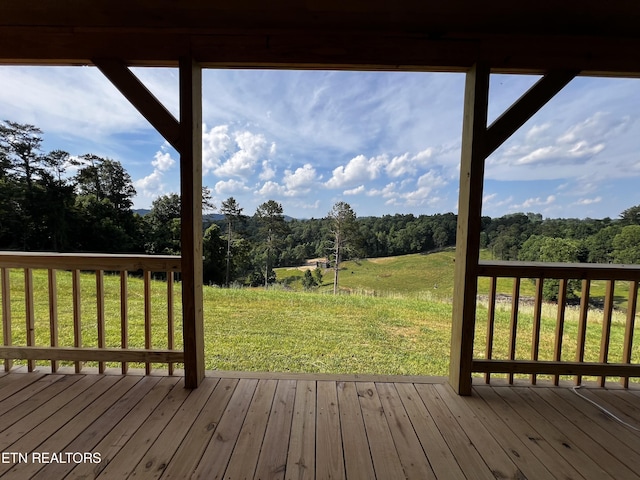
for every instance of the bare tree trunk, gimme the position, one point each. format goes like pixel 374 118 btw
pixel 336 267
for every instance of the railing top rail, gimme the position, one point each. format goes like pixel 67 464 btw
pixel 91 261
pixel 585 271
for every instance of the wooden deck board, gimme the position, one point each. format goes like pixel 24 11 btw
pixel 537 443
pixel 215 458
pixel 357 457
pixel 557 437
pixel 310 428
pixel 244 458
pixel 384 454
pixel 301 458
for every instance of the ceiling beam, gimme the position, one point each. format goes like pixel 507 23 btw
pixel 525 107
pixel 142 99
pixel 340 50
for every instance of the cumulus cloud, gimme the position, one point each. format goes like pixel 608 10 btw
pixel 152 185
pixel 300 180
pixel 407 164
pixel 271 189
pixel 389 191
pixel 163 161
pixel 354 191
pixel 230 187
pixel 235 154
pixel 268 172
pixel 536 202
pixel 427 184
pixel 358 169
pixel 216 143
pixel 242 163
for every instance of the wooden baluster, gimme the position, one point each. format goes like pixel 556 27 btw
pixel 582 324
pixel 147 316
pixel 537 316
pixel 562 300
pixel 6 314
pixel 170 317
pixel 632 305
pixel 606 326
pixel 515 302
pixel 77 314
pixel 124 316
pixel 53 313
pixel 100 314
pixel 29 314
pixel 491 318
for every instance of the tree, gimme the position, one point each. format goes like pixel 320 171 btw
pixel 22 164
pixel 626 245
pixel 343 230
pixel 539 248
pixel 600 244
pixel 163 236
pixel 105 178
pixel 272 228
pixel 231 211
pixel 631 216
pixel 308 282
pixel 213 249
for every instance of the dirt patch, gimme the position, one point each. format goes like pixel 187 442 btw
pixel 311 264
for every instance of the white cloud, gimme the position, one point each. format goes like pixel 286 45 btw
pixel 152 185
pixel 163 161
pixel 216 143
pixel 540 154
pixel 242 163
pixel 536 202
pixel 409 165
pixel 491 201
pixel 537 131
pixel 271 189
pixel 427 184
pixel 354 191
pixel 600 125
pixel 357 170
pixel 588 201
pixel 390 190
pixel 230 187
pixel 268 172
pixel 301 180
pixel 489 198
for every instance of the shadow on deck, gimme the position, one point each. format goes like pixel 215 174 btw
pixel 243 425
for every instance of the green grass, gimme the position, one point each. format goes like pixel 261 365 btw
pixel 396 320
pixel 312 332
pixel 405 275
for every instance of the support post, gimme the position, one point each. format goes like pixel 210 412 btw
pixel 474 132
pixel 191 229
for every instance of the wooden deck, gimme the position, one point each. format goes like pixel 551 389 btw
pixel 238 426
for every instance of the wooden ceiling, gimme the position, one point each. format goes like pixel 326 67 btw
pixel 596 37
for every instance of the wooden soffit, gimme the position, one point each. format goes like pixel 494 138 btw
pixel 599 38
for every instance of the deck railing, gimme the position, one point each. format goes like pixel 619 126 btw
pixel 521 355
pixel 93 304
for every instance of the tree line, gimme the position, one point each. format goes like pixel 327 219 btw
pixel 59 202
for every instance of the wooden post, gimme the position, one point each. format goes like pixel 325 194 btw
pixel 191 233
pixel 474 130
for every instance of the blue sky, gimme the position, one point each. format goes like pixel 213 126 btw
pixel 383 142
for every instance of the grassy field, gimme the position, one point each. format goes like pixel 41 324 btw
pixel 396 320
pixel 428 276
